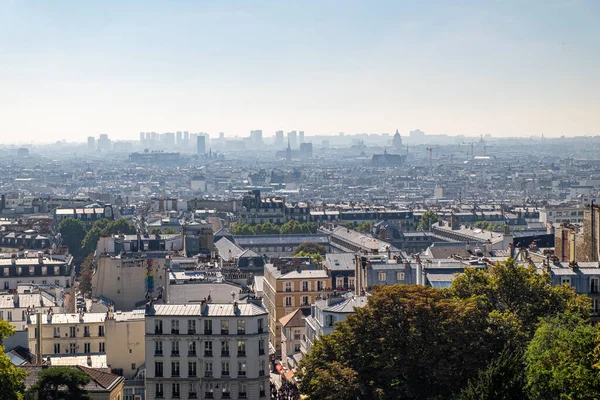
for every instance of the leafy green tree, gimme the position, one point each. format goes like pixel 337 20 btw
pixel 73 232
pixel 155 231
pixel 310 248
pixel 502 379
pixel 520 291
pixel 170 231
pixel 291 227
pixel 12 378
pixel 335 382
pixel 428 218
pixel 315 257
pixel 90 241
pixel 120 225
pixel 242 229
pixel 364 227
pixel 101 224
pixel 309 227
pixel 560 362
pixel 267 228
pixel 85 279
pixel 409 342
pixel 61 383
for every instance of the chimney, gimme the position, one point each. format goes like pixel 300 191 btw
pixel 38 323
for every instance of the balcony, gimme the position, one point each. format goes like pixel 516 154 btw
pixel 208 395
pixel 158 331
pixel 175 354
pixel 241 374
pixel 241 353
pixel 192 353
pixel 241 332
pixel 158 353
pixel 261 352
pixel 226 395
pixel 225 353
pixel 207 353
pixel 192 395
pixel 158 374
pixel 224 373
pixel 261 373
pixel 176 395
pixel 224 331
pixel 262 393
pixel 160 395
pixel 242 395
pixel 191 331
pixel 208 374
pixel 174 331
pixel 208 331
pixel 175 374
pixel 192 374
pixel 86 334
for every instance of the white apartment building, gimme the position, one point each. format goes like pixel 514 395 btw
pixel 207 351
pixel 36 268
pixel 16 307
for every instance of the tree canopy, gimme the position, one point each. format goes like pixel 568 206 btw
pixel 268 228
pixel 73 232
pixel 467 342
pixel 61 383
pixel 11 377
pixel 428 218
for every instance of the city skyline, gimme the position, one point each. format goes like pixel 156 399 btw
pixel 74 70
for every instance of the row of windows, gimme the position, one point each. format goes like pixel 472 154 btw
pixel 208 348
pixel 210 388
pixel 72 332
pixel 74 348
pixel 43 282
pixel 208 327
pixel 289 301
pixel 192 370
pixel 305 286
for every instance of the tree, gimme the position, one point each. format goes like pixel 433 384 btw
pixel 73 232
pixel 310 248
pixel 242 229
pixel 428 218
pixel 409 342
pixel 120 225
pixel 155 231
pixel 316 258
pixel 291 227
pixel 90 241
pixel 85 279
pixel 560 361
pixel 267 228
pixel 364 227
pixel 12 378
pixel 170 231
pixel 336 382
pixel 64 383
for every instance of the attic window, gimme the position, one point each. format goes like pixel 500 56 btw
pixel 336 262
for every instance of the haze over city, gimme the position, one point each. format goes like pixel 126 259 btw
pixel 70 70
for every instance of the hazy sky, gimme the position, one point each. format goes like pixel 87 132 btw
pixel 72 69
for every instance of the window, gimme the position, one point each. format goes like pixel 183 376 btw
pixel 174 368
pixel 351 282
pixel 101 331
pixel 329 320
pixel 399 276
pixel 224 348
pixel 191 327
pixel 86 348
pixel 320 285
pixel 382 277
pixel 339 282
pixel 225 368
pixel 208 390
pixel 175 392
pixel 305 286
pixel 288 301
pixel 86 331
pixel 226 390
pixel 56 348
pixel 565 280
pixel 261 370
pixel 158 369
pixel 159 390
pixel 191 348
pixel 262 389
pixel 158 327
pixel 224 327
pixel 261 347
pixel 297 348
pixel 72 331
pixel 241 368
pixel 192 368
pixel 72 348
pixel 175 348
pixel 208 348
pixel 288 286
pixel 133 366
pixel 594 285
pixel 242 391
pixel 101 347
pixel 56 332
pixel 208 327
pixel 261 323
pixel 296 334
pixel 158 349
pixel 208 369
pixel 192 393
pixel 175 327
pixel 595 307
pixel 241 348
pixel 305 301
pixel 241 326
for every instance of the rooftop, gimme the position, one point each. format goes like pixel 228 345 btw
pixel 212 310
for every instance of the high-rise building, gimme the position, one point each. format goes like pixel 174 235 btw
pixel 293 139
pixel 201 145
pixel 221 135
pixel 179 138
pixel 91 143
pixel 301 136
pixel 279 139
pixel 306 150
pixel 142 137
pixel 256 138
pixel 103 142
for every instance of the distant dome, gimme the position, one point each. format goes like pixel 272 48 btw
pixel 397 141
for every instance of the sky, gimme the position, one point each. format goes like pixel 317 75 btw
pixel 72 69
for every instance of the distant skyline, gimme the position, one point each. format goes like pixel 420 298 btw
pixel 73 69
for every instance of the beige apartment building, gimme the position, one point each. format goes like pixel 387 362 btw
pixel 101 340
pixel 286 288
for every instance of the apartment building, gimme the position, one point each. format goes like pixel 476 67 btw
pixel 37 268
pixel 108 340
pixel 206 351
pixel 16 307
pixel 287 287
